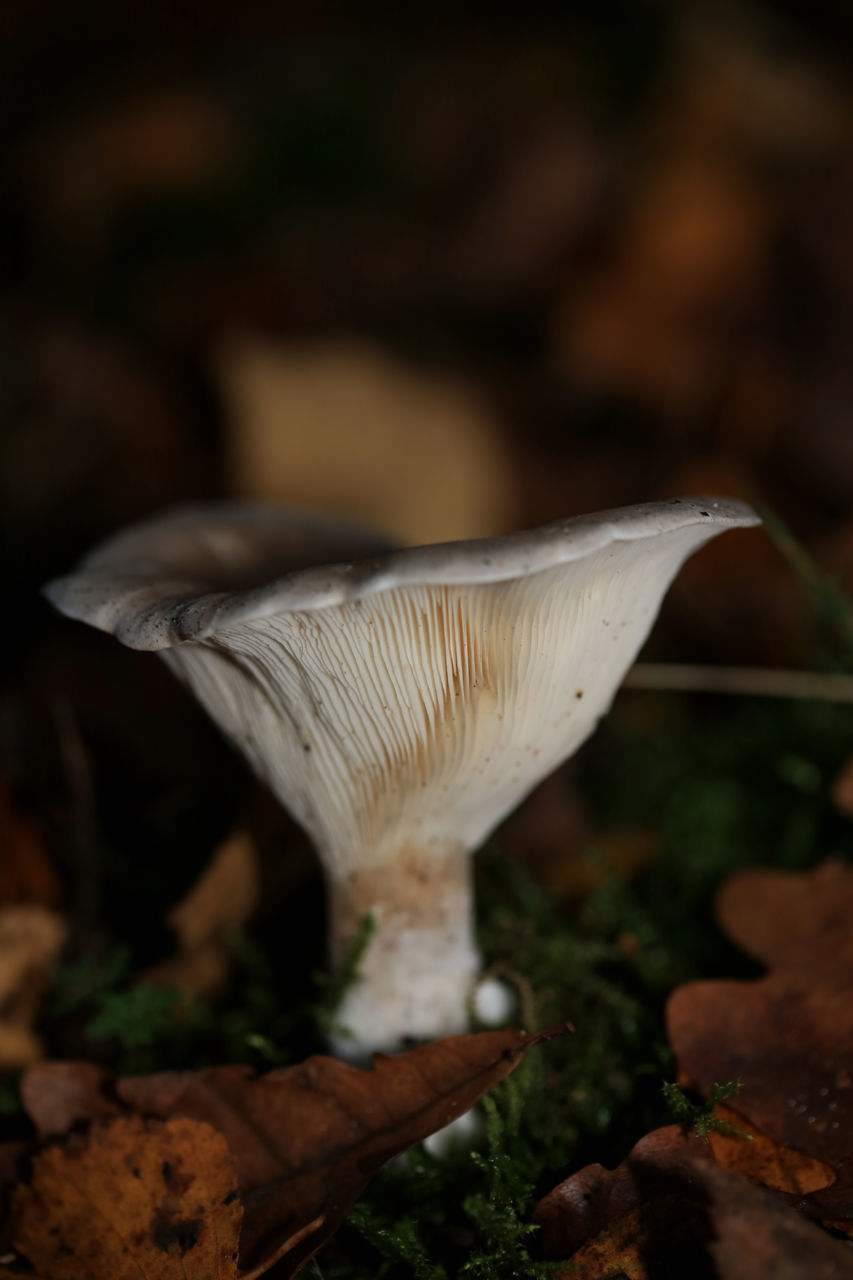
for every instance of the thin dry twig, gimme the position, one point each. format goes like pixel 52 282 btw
pixel 753 682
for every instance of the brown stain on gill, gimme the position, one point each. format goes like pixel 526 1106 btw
pixel 467 667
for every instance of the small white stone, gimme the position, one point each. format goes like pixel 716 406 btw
pixel 494 1002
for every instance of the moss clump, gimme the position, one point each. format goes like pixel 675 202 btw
pixel 697 1116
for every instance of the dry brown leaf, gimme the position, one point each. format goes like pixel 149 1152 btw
pixel 305 1139
pixel 774 1166
pixel 31 938
pixel 797 922
pixel 59 1095
pixel 19 1046
pixel 842 789
pixel 669 1211
pixel 131 1198
pixel 347 429
pixel 225 895
pixel 787 1037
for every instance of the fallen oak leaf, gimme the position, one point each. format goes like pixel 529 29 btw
pixel 782 1041
pixel 775 1166
pixel 305 1139
pixel 741 1148
pixel 787 1037
pixel 793 922
pixel 669 1210
pixel 130 1197
pixel 593 1199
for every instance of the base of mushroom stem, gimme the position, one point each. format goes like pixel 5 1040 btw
pixel 418 970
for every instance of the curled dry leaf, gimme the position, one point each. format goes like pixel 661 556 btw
pixel 305 1140
pixel 670 1211
pixel 788 1037
pixel 129 1198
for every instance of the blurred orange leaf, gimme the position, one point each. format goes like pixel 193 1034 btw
pixel 669 1210
pixel 31 938
pixel 787 1037
pixel 304 1140
pixel 225 895
pixel 131 1197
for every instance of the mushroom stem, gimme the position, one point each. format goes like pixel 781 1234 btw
pixel 420 964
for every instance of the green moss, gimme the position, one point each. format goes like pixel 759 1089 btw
pixel 136 1018
pixel 697 1116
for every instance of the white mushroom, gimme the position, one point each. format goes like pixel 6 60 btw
pixel 400 705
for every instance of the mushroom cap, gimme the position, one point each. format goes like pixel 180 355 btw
pixel 400 703
pixel 178 575
pixel 186 574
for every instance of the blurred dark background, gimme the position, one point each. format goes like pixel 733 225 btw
pixel 451 275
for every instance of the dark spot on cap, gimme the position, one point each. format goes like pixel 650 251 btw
pixel 704 513
pixel 578 693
